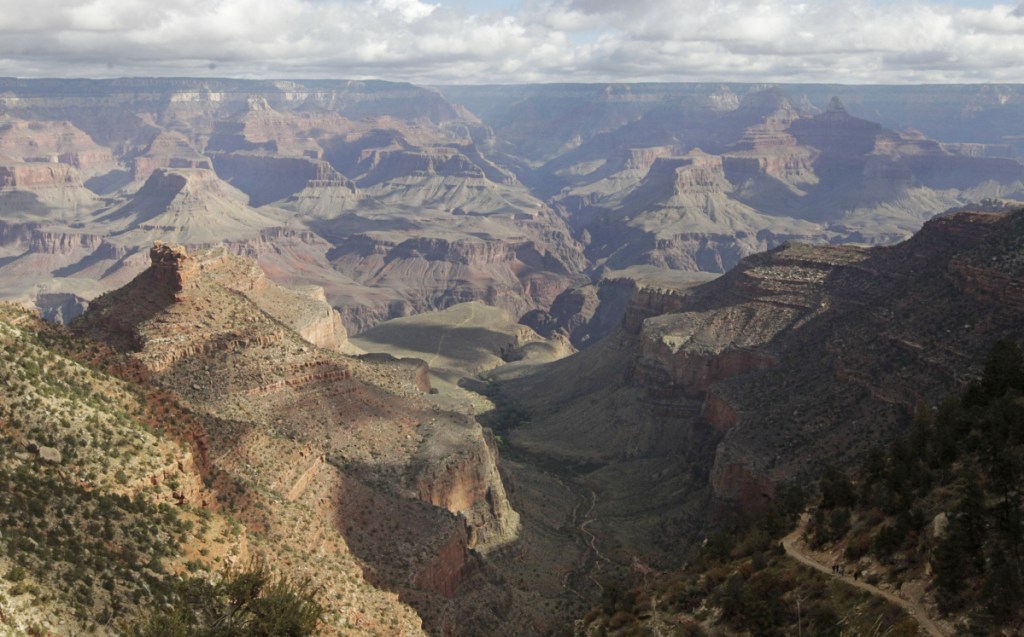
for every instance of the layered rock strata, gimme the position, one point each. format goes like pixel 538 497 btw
pixel 863 334
pixel 211 327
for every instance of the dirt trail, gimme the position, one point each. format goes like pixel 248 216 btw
pixel 580 520
pixel 444 336
pixel 595 558
pixel 789 543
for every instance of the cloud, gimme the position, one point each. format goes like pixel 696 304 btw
pixel 856 41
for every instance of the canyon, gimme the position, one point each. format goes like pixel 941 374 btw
pixel 408 489
pixel 465 358
pixel 800 358
pixel 398 199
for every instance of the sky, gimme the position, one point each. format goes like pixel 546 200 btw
pixel 437 42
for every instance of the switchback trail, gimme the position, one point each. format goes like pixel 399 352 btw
pixel 789 543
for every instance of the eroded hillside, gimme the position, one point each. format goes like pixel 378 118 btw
pixel 407 489
pixel 397 200
pixel 374 191
pixel 803 356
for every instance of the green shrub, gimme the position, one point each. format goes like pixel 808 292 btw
pixel 247 603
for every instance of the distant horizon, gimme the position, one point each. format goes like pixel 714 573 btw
pixel 514 42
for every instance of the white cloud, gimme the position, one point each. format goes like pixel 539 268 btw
pixel 548 40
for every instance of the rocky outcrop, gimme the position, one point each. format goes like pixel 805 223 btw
pixel 697 174
pixel 650 302
pixel 570 311
pixel 469 485
pixel 991 276
pixel 448 570
pixel 795 167
pixel 836 132
pixel 173 268
pixel 39 175
pixel 183 478
pixel 642 159
pixel 321 324
pixel 304 310
pixel 665 368
pixel 168 149
pixel 857 361
pixel 798 358
pixel 989 285
pixel 65 242
pixel 212 328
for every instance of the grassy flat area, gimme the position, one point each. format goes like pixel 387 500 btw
pixel 458 342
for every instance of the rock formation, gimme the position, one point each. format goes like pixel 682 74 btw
pixel 852 329
pixel 208 162
pixel 358 175
pixel 798 358
pixel 168 149
pixel 635 190
pixel 211 327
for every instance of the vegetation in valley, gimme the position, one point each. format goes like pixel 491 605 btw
pixel 943 504
pixel 741 582
pixel 938 513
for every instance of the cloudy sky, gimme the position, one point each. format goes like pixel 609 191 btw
pixel 512 41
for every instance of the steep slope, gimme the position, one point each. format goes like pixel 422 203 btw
pixel 798 357
pixel 100 504
pixel 930 522
pixel 407 488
